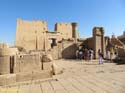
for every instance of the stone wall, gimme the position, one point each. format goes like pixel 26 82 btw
pixel 64 29
pixel 9 79
pixel 4 45
pixel 23 67
pixel 30 34
pixel 34 35
pixel 4 65
pixel 8 51
pixel 6 58
pixel 27 63
pixel 89 42
pixel 69 49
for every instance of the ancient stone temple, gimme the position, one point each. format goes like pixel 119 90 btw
pixel 34 35
pixel 36 47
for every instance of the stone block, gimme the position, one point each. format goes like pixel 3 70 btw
pixel 11 78
pixel 5 65
pixel 8 51
pixel 42 74
pixel 27 63
pixel 24 76
pixel 17 67
pixel 47 58
pixel 56 69
pixel 2 80
pixel 7 79
pixel 47 65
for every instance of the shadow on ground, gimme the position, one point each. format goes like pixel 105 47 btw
pixel 119 61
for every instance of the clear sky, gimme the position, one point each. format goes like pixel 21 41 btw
pixel 88 13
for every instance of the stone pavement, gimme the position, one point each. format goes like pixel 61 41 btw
pixel 78 77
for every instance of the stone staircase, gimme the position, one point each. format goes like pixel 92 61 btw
pixel 121 48
pixel 116 41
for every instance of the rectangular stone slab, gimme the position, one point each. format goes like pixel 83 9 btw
pixel 23 76
pixel 7 79
pixel 42 74
pixel 47 65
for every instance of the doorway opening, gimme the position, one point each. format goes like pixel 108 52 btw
pixel 53 42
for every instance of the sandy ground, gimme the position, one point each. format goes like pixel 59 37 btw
pixel 77 77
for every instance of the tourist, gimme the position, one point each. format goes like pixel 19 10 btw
pixel 100 56
pixel 83 50
pixel 116 53
pixel 111 53
pixel 91 52
pixel 80 54
pixel 108 54
pixel 86 54
pixel 77 54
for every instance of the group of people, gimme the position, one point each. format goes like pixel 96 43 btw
pixel 110 55
pixel 86 54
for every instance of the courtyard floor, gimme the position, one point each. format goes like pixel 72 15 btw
pixel 77 77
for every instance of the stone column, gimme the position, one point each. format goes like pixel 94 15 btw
pixel 75 31
pixel 99 41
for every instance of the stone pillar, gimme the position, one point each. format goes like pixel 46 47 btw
pixel 46 43
pixel 75 31
pixel 99 41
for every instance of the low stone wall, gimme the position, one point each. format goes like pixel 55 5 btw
pixel 8 51
pixel 27 63
pixel 42 74
pixel 8 79
pixel 24 76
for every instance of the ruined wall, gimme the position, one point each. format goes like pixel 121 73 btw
pixel 27 63
pixel 64 29
pixel 69 49
pixel 4 65
pixel 29 34
pixel 89 42
pixel 5 59
pixel 8 51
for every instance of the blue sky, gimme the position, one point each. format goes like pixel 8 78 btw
pixel 88 13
